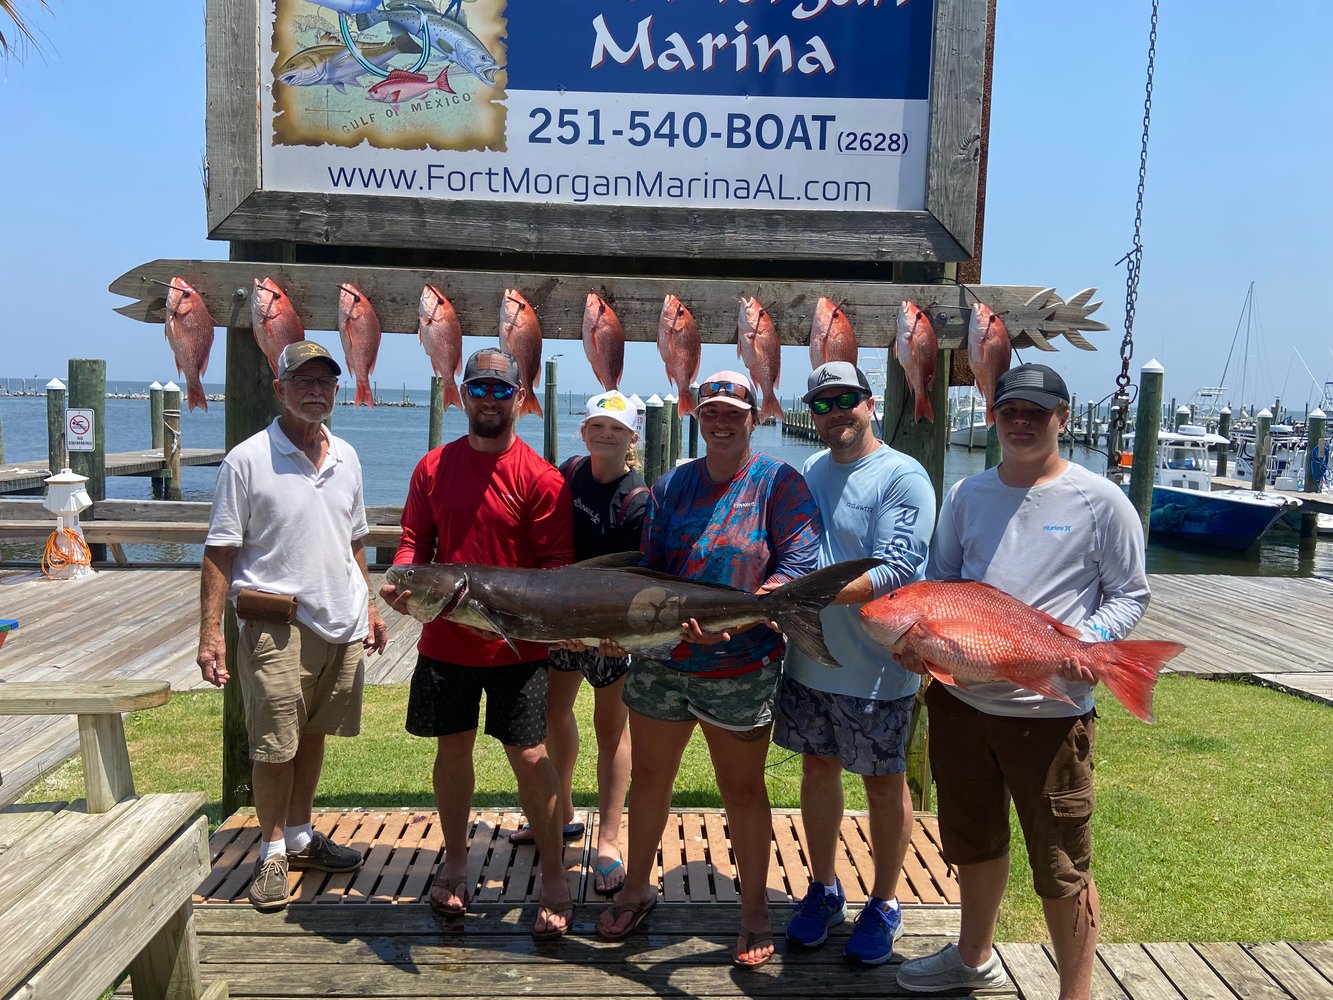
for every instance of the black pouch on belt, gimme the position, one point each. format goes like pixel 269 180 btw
pixel 263 606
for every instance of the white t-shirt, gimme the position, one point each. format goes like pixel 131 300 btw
pixel 1072 547
pixel 294 526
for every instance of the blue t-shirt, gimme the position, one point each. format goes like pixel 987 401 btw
pixel 882 506
pixel 761 526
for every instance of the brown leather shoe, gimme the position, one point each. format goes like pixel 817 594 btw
pixel 326 856
pixel 268 889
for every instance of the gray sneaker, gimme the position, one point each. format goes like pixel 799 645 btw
pixel 326 856
pixel 268 890
pixel 945 970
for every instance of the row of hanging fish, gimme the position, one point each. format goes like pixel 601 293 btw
pixel 276 323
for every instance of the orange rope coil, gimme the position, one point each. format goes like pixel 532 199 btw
pixel 55 558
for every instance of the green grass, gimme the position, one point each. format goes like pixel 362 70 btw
pixel 1211 825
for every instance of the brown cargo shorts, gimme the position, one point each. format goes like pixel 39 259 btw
pixel 1045 764
pixel 294 681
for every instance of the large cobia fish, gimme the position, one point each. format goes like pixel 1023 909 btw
pixel 448 34
pixel 988 352
pixel 274 320
pixel 359 328
pixel 521 336
pixel 189 330
pixel 678 343
pixel 603 341
pixel 831 335
pixel 333 65
pixel 441 335
pixel 968 631
pixel 916 347
pixel 758 346
pixel 639 608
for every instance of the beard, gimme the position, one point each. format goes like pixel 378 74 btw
pixel 486 426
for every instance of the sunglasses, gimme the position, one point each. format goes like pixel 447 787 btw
pixel 710 389
pixel 845 400
pixel 304 383
pixel 478 390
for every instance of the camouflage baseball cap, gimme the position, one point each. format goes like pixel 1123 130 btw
pixel 492 363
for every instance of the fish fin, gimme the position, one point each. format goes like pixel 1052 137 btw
pixel 613 560
pixel 944 677
pixel 363 395
pixel 451 396
pixel 531 405
pixel 686 401
pixel 194 393
pixel 1047 687
pixel 1129 669
pixel 340 87
pixel 923 408
pixel 483 612
pixel 771 409
pixel 796 606
pixel 1066 630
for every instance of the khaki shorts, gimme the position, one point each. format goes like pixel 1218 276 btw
pixel 740 702
pixel 293 682
pixel 1045 764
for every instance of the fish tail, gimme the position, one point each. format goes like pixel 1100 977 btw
pixel 771 408
pixel 685 399
pixel 1129 668
pixel 923 407
pixel 451 396
pixel 530 405
pixel 363 394
pixel 195 395
pixel 797 605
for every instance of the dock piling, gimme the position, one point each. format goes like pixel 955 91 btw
pixel 1263 425
pixel 55 426
pixel 435 435
pixel 550 419
pixel 171 441
pixel 87 390
pixel 673 427
pixel 655 439
pixel 1316 468
pixel 1151 378
pixel 1224 429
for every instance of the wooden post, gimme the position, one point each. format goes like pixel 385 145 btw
pixel 171 440
pixel 1182 417
pixel 435 436
pixel 1089 426
pixel 55 426
pixel 1263 424
pixel 673 429
pixel 993 450
pixel 654 447
pixel 1149 423
pixel 972 419
pixel 155 414
pixel 251 406
pixel 1317 424
pixel 87 390
pixel 694 422
pixel 550 425
pixel 1073 419
pixel 1224 429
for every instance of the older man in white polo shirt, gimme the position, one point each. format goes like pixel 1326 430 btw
pixel 285 547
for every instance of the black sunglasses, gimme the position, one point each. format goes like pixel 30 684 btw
pixel 710 389
pixel 845 400
pixel 478 390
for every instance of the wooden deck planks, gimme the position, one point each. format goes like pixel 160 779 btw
pixel 19 477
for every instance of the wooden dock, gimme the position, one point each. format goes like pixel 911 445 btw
pixel 1314 503
pixel 143 623
pixel 23 477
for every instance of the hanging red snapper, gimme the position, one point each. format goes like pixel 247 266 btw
pixel 831 335
pixel 189 330
pixel 521 336
pixel 967 631
pixel 274 320
pixel 758 346
pixel 603 341
pixel 988 352
pixel 916 348
pixel 359 328
pixel 441 335
pixel 678 343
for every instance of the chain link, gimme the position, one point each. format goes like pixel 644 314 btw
pixel 1132 260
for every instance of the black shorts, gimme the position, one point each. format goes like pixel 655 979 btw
pixel 445 698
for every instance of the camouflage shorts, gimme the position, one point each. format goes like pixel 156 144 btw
pixel 741 702
pixel 600 671
pixel 867 735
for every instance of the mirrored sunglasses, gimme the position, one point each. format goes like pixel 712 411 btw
pixel 304 383
pixel 710 389
pixel 479 390
pixel 845 400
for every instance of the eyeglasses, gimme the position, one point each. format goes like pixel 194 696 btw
pixel 478 390
pixel 304 383
pixel 710 389
pixel 845 400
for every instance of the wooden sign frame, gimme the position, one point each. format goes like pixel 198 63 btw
pixel 240 208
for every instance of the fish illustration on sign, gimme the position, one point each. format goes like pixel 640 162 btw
pixel 400 85
pixel 334 65
pixel 450 35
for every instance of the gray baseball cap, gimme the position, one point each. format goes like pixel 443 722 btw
pixel 296 354
pixel 836 375
pixel 492 363
pixel 1038 384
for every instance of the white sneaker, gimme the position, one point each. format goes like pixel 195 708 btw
pixel 946 970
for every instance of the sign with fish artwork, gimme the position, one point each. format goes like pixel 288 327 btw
pixel 640 120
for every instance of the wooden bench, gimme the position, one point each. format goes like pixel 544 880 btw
pixel 91 888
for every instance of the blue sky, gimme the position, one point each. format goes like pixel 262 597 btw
pixel 105 130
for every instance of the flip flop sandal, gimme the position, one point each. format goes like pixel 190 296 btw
pixel 753 940
pixel 565 909
pixel 605 871
pixel 455 885
pixel 618 910
pixel 570 832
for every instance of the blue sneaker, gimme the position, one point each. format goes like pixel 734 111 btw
pixel 876 929
pixel 815 914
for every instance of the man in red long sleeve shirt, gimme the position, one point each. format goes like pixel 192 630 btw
pixel 487 498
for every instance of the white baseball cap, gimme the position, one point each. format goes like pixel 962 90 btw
pixel 613 404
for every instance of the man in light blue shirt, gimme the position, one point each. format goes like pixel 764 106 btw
pixel 875 502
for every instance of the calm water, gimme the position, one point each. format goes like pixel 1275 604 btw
pixel 390 440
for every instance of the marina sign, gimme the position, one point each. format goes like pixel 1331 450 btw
pixel 783 128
